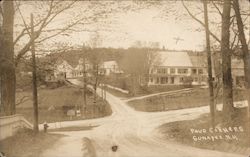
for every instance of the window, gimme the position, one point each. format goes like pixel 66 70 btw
pixel 194 71
pixel 166 80
pixel 181 79
pixel 162 80
pixel 151 79
pixel 161 71
pixel 166 70
pixel 182 71
pixel 172 71
pixel 172 80
pixel 158 71
pixel 157 80
pixel 200 71
pixel 195 79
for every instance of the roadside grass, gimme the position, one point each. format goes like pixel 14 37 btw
pixel 118 93
pixel 231 141
pixel 143 90
pixel 28 144
pixel 52 102
pixel 196 98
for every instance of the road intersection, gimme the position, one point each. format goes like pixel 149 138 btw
pixel 134 133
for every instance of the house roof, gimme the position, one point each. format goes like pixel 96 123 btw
pixel 109 64
pixel 198 60
pixel 173 59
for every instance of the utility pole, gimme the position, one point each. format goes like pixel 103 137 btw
pixel 209 65
pixel 34 79
pixel 84 86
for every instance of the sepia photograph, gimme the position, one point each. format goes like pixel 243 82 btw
pixel 124 78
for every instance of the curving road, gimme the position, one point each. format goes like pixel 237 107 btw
pixel 132 131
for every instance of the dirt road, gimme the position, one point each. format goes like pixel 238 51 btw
pixel 132 131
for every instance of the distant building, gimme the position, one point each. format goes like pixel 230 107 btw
pixel 79 69
pixel 63 70
pixel 175 68
pixel 237 69
pixel 109 67
pixel 238 72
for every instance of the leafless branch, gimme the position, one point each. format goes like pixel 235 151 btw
pixel 217 8
pixel 44 22
pixel 199 21
pixel 23 100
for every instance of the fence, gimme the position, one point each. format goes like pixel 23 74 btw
pixel 9 125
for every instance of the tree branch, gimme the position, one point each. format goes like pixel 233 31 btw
pixel 22 100
pixel 199 21
pixel 217 8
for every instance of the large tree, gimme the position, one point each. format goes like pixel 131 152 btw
pixel 137 62
pixel 47 15
pixel 8 81
pixel 228 108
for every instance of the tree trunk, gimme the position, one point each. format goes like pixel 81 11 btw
pixel 8 78
pixel 228 109
pixel 242 37
pixel 34 79
pixel 96 82
pixel 246 58
pixel 209 66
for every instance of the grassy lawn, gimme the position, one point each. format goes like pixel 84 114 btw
pixel 198 97
pixel 234 141
pixel 26 144
pixel 52 101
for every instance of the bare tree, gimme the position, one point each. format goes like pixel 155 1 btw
pixel 49 12
pixel 244 46
pixel 209 65
pixel 7 59
pixel 137 62
pixel 228 108
pixel 95 57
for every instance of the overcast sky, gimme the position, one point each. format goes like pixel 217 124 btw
pixel 161 23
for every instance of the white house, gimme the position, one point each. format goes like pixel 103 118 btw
pixel 109 67
pixel 238 72
pixel 63 70
pixel 79 69
pixel 174 68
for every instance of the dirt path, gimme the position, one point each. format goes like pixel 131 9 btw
pixel 133 132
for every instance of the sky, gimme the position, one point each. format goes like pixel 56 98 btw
pixel 147 25
pixel 162 23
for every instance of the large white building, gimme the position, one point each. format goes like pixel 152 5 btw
pixel 177 68
pixel 110 67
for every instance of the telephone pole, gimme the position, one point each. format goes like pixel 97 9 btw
pixel 84 86
pixel 34 79
pixel 209 66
